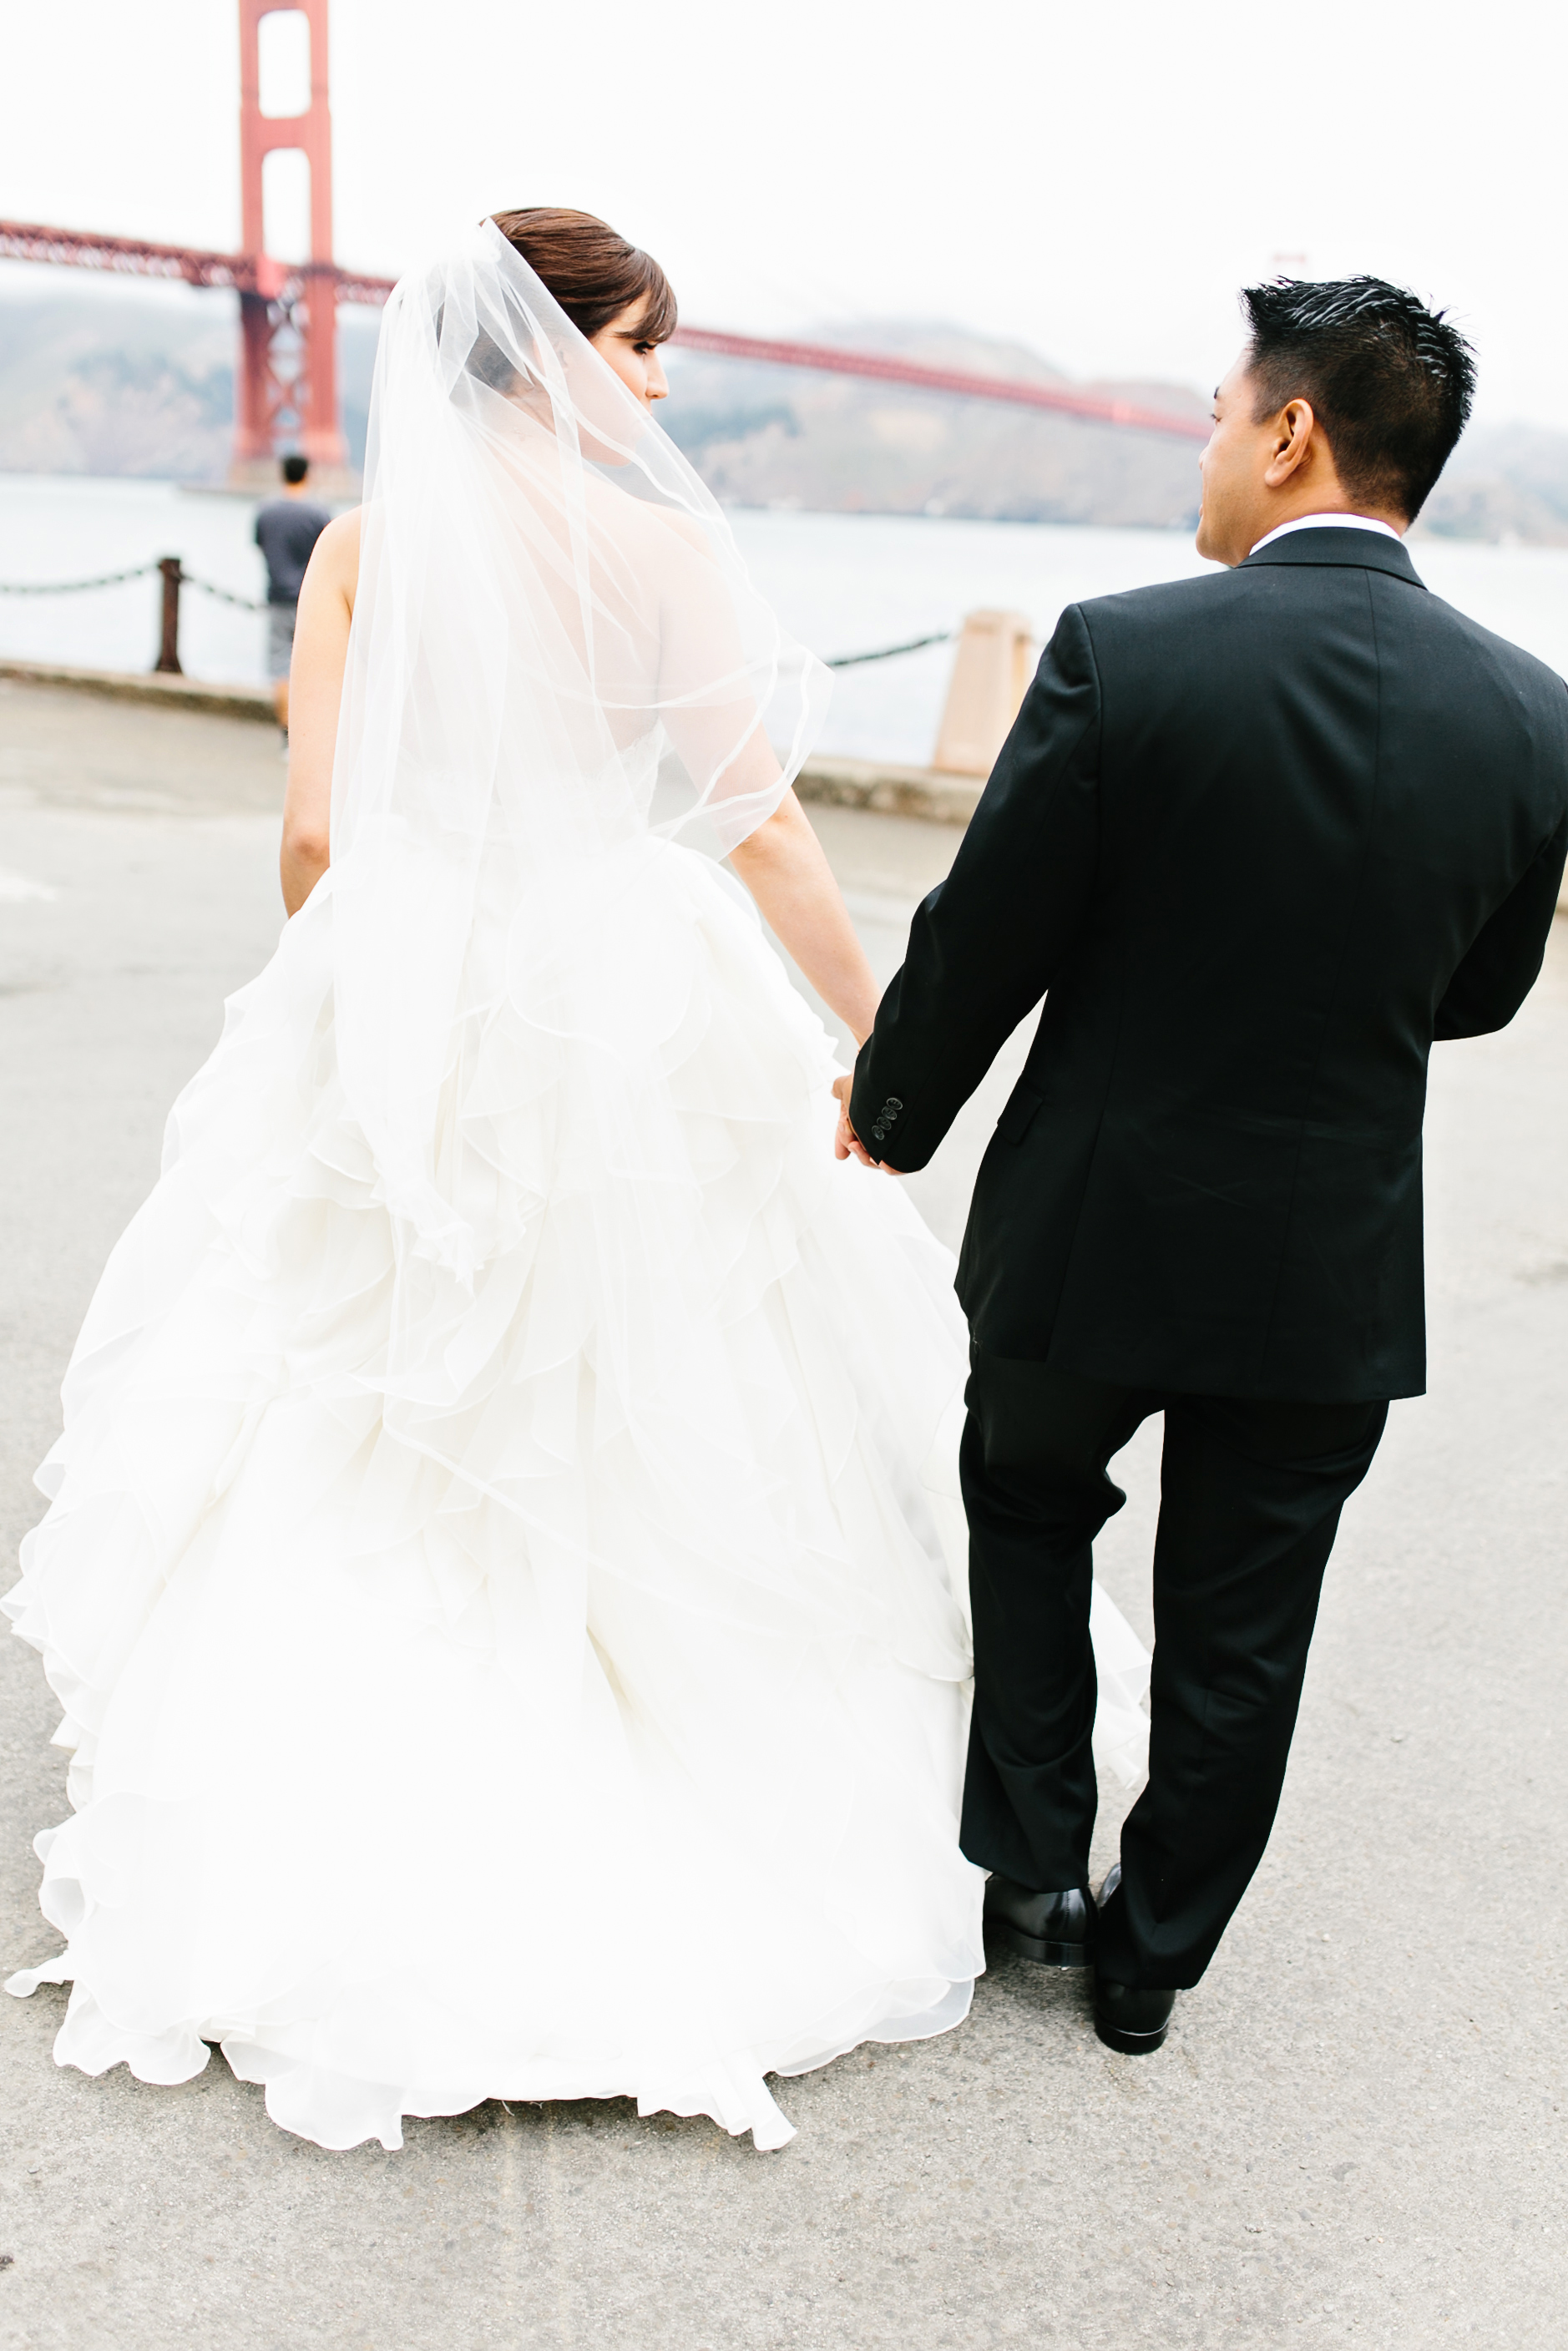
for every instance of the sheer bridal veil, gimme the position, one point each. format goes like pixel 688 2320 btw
pixel 558 668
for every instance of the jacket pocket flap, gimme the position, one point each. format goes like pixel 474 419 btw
pixel 1018 1111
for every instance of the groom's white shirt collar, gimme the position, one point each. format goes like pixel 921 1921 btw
pixel 1327 522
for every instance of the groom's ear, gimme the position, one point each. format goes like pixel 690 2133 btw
pixel 1293 430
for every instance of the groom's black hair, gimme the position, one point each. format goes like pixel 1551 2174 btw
pixel 1390 381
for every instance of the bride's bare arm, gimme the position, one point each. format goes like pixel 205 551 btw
pixel 783 865
pixel 315 691
pixel 718 732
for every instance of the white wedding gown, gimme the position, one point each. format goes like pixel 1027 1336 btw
pixel 495 1575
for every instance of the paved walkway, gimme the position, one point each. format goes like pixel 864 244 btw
pixel 1356 2132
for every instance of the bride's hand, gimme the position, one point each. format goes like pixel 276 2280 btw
pixel 847 1143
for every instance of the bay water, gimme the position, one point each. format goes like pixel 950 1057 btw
pixel 842 583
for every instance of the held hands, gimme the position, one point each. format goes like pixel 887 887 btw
pixel 847 1143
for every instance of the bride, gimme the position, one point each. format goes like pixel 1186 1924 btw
pixel 494 1574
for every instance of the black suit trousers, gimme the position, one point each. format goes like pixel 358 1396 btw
pixel 1251 1492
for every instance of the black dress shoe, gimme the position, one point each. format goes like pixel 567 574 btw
pixel 1055 1929
pixel 1130 2020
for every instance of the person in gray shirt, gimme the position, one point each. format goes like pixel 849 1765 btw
pixel 287 529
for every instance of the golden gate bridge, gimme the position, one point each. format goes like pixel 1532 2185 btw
pixel 286 381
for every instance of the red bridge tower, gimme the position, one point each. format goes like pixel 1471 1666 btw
pixel 292 314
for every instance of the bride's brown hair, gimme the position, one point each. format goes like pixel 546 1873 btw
pixel 593 273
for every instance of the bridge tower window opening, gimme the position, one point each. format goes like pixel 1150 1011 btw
pixel 285 205
pixel 283 64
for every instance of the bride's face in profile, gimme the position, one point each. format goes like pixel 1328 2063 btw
pixel 625 347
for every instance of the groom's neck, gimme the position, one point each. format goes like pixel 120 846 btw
pixel 1327 501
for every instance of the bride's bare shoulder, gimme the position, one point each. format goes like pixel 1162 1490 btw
pixel 335 561
pixel 677 538
pixel 685 526
pixel 338 544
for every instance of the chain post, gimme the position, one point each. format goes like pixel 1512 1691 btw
pixel 169 652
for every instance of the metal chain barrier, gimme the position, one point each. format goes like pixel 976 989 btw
pixel 224 595
pixel 73 587
pixel 248 605
pixel 886 652
pixel 114 578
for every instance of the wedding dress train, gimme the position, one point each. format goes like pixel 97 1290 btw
pixel 496 1573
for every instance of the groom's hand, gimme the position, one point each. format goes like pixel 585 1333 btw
pixel 847 1143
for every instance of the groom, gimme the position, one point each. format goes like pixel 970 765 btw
pixel 1257 839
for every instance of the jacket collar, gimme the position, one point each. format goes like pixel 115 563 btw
pixel 1365 549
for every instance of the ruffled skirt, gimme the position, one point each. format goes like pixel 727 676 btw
pixel 500 1597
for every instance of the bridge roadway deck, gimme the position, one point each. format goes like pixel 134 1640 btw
pixel 1357 2133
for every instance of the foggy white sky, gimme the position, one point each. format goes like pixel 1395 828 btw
pixel 1095 180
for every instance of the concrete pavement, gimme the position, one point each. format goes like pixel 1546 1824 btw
pixel 1356 2132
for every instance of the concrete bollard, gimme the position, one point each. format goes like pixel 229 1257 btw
pixel 991 677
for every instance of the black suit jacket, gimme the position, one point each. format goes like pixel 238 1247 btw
pixel 1257 839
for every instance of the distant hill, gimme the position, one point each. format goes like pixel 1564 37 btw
pixel 137 383
pixel 141 381
pixel 783 436
pixel 1507 483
